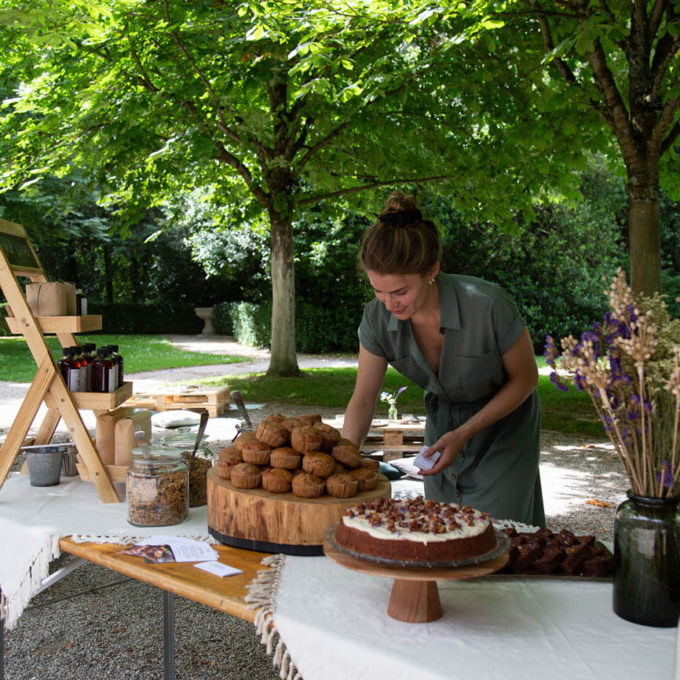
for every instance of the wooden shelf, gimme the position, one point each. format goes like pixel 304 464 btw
pixel 17 258
pixel 57 324
pixel 103 401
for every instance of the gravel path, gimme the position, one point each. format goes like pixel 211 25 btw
pixel 94 623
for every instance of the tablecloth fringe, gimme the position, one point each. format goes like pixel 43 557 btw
pixel 119 539
pixel 262 596
pixel 13 604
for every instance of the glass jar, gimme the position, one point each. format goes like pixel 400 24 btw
pixel 647 560
pixel 198 465
pixel 157 490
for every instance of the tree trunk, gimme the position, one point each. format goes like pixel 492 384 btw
pixel 283 360
pixel 643 224
pixel 645 246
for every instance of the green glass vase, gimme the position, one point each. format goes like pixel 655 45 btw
pixel 647 560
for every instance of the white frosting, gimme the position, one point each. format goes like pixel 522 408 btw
pixel 464 530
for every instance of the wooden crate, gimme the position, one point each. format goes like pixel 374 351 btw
pixel 214 400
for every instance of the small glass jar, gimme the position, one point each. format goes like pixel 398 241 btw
pixel 198 465
pixel 157 490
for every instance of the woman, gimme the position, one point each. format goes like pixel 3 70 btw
pixel 464 342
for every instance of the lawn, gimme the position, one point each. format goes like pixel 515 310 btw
pixel 140 353
pixel 569 412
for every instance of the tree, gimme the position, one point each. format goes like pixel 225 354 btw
pixel 283 104
pixel 621 60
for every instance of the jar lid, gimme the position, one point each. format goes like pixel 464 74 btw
pixel 157 459
pixel 183 440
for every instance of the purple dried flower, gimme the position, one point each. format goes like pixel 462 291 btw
pixel 558 382
pixel 667 476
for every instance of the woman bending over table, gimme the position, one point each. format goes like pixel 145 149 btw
pixel 464 342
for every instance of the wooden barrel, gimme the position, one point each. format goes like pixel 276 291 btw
pixel 273 522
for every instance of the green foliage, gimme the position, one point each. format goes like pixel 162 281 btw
pixel 222 318
pixel 250 323
pixel 152 318
pixel 4 331
pixel 554 266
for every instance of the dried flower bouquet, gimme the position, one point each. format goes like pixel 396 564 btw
pixel 630 365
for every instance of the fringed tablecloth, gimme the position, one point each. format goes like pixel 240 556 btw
pixel 325 622
pixel 33 519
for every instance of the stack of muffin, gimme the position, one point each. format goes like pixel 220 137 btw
pixel 300 454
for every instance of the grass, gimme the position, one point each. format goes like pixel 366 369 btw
pixel 569 412
pixel 140 353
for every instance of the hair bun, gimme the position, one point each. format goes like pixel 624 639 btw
pixel 402 217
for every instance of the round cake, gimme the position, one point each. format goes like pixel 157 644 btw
pixel 415 530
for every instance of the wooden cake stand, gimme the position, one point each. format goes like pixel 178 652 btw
pixel 414 597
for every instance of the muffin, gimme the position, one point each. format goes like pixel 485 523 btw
pixel 256 452
pixel 368 479
pixel 342 486
pixel 371 464
pixel 291 423
pixel 226 461
pixel 246 476
pixel 277 480
pixel 272 433
pixel 310 418
pixel 275 418
pixel 330 436
pixel 228 450
pixel 318 463
pixel 244 437
pixel 305 439
pixel 285 457
pixel 347 454
pixel 339 467
pixel 308 486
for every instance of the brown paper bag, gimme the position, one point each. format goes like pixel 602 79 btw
pixel 51 298
pixel 124 441
pixel 105 433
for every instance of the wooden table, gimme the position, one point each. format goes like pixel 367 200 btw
pixel 180 578
pixel 394 440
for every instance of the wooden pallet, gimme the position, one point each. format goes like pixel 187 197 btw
pixel 214 400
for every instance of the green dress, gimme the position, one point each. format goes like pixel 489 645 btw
pixel 497 470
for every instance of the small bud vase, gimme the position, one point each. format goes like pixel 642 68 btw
pixel 392 414
pixel 647 560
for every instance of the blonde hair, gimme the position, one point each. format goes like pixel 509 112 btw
pixel 401 241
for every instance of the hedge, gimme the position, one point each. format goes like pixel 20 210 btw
pixel 146 319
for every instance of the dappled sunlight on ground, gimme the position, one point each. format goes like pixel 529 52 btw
pixel 583 483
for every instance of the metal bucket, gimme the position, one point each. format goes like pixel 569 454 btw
pixel 46 461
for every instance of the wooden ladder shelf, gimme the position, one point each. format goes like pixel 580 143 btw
pixel 18 258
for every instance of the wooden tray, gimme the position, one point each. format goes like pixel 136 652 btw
pixel 260 520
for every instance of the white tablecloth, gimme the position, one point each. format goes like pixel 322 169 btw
pixel 33 519
pixel 334 624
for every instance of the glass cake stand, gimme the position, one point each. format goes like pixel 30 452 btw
pixel 415 596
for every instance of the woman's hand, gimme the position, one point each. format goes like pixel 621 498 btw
pixel 450 445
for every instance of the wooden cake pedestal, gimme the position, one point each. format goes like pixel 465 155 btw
pixel 414 597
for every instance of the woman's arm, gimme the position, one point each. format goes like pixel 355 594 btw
pixel 359 413
pixel 520 365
